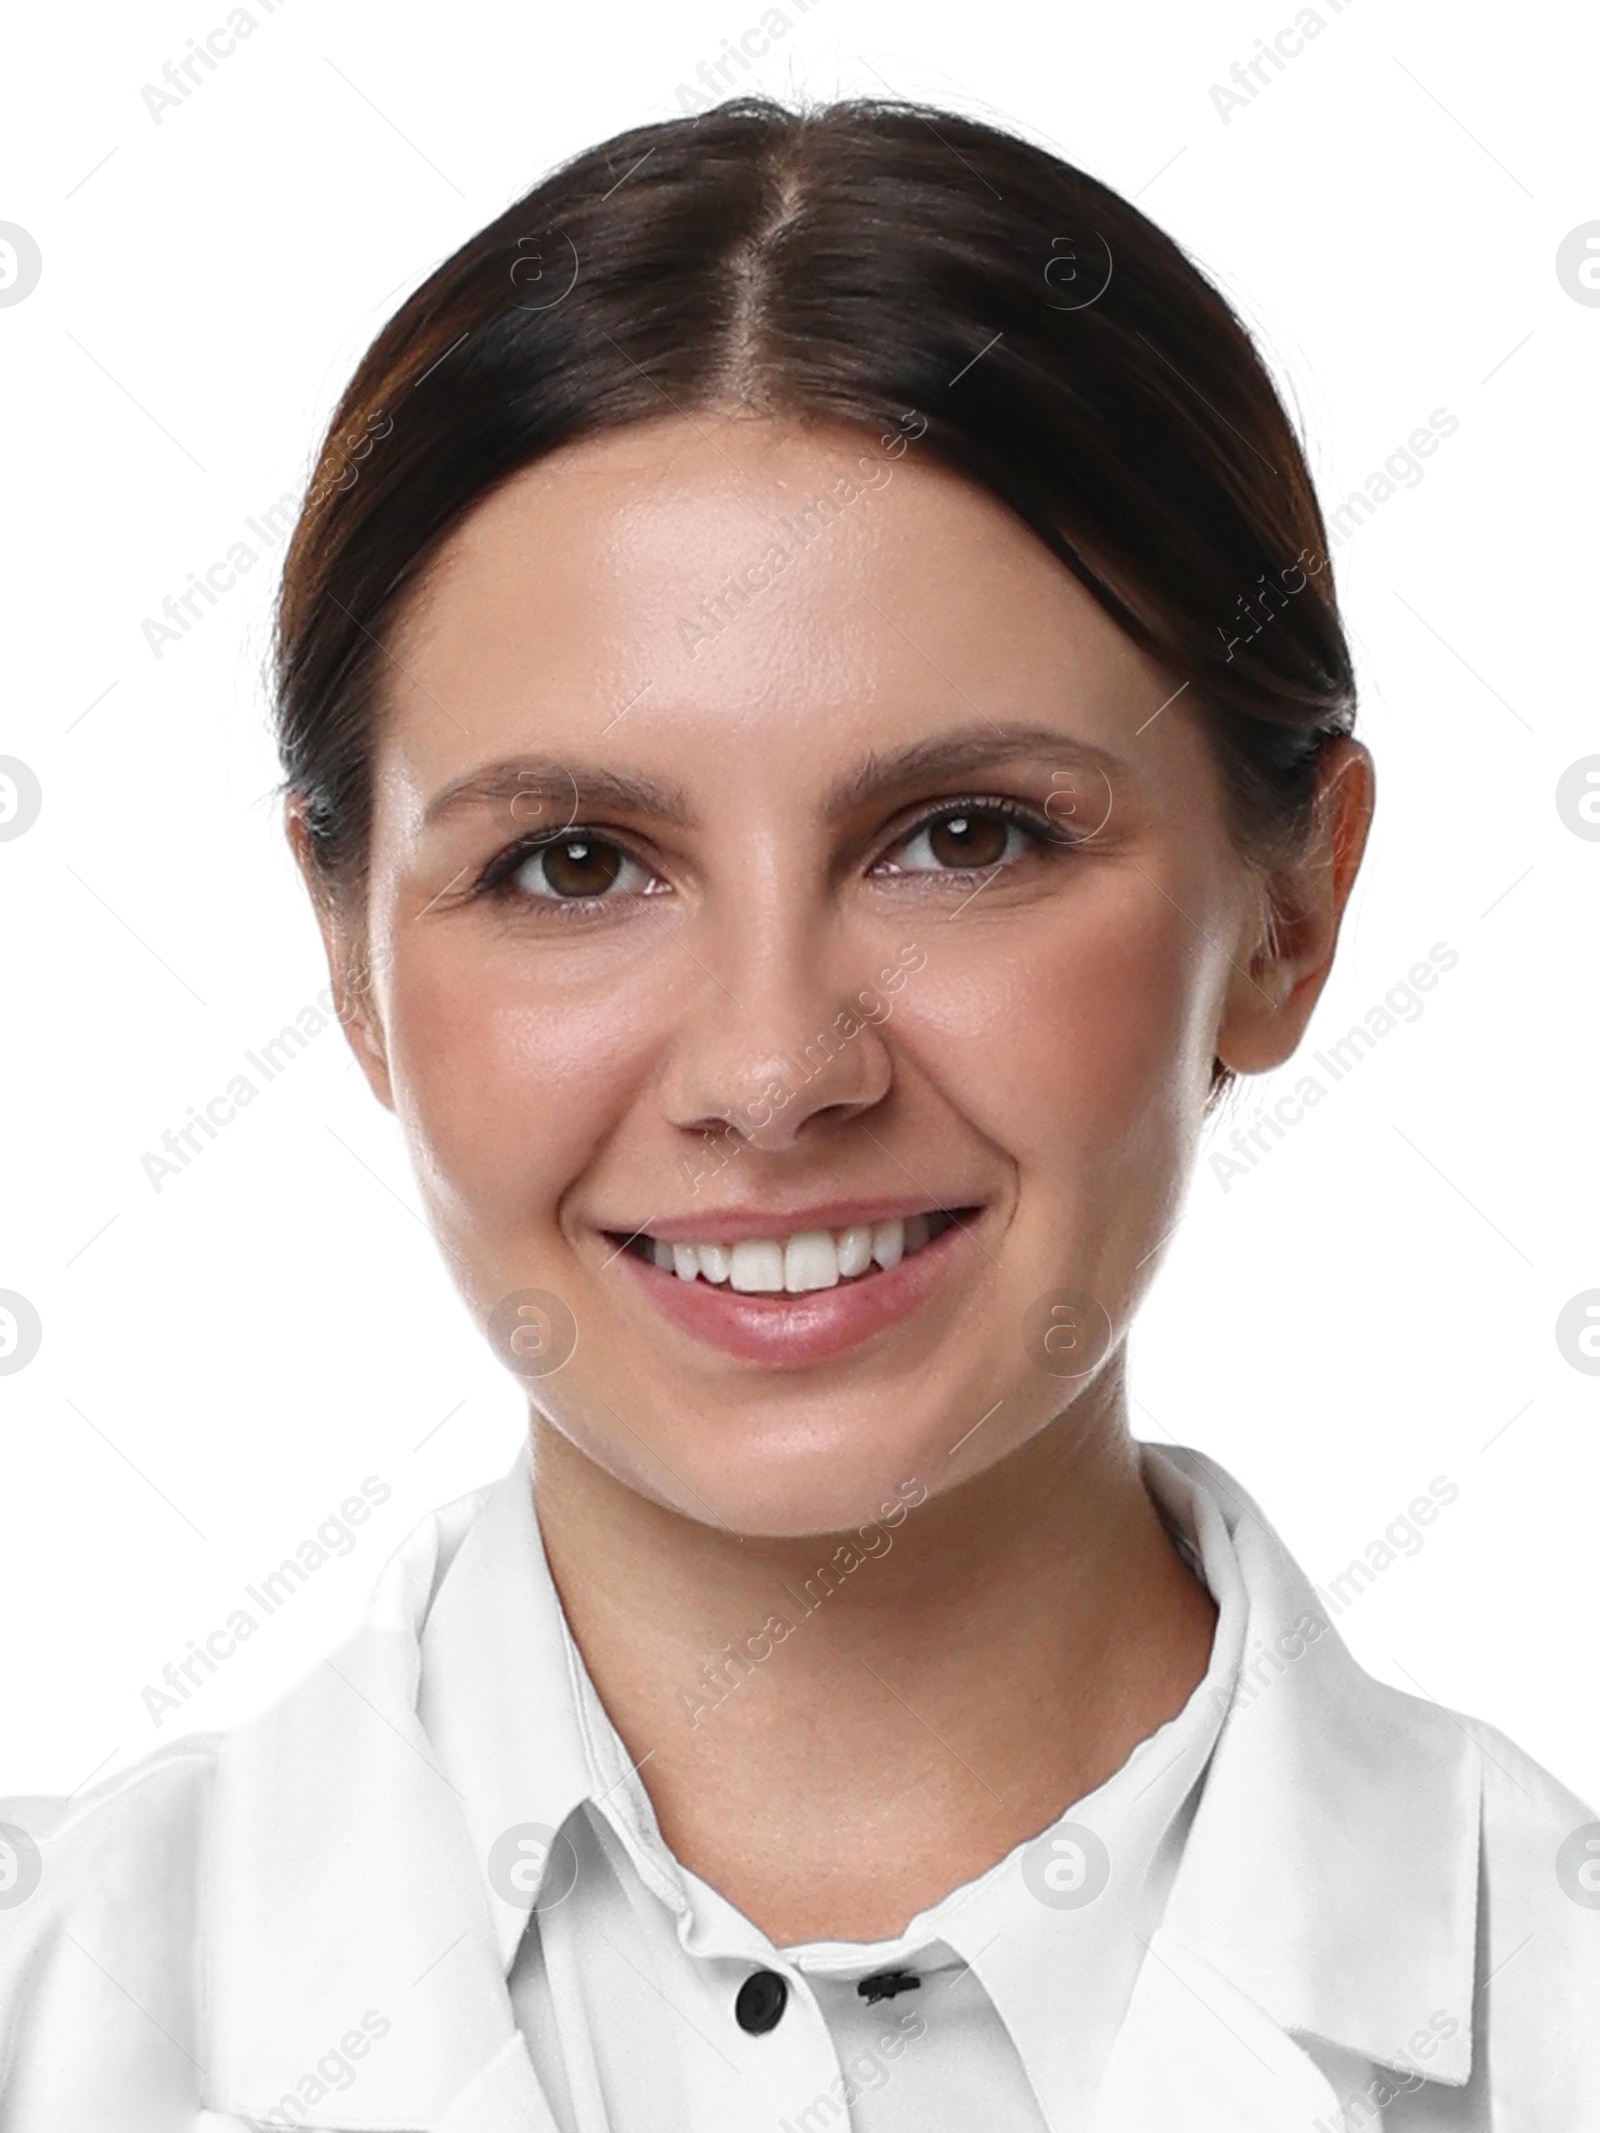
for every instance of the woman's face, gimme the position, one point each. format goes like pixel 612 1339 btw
pixel 772 839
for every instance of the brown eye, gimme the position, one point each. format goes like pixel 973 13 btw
pixel 968 840
pixel 579 866
pixel 572 871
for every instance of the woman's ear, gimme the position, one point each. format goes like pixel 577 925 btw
pixel 350 967
pixel 1276 981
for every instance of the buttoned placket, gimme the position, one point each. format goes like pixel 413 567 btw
pixel 623 1984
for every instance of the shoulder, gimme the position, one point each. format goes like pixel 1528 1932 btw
pixel 106 1924
pixel 98 1901
pixel 1540 1853
pixel 1536 1967
pixel 1519 1793
pixel 1528 1815
pixel 1539 1945
pixel 133 1839
pixel 1538 1849
pixel 1468 1874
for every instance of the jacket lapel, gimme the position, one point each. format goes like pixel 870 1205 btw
pixel 504 2098
pixel 1194 2052
pixel 351 1972
pixel 1330 1877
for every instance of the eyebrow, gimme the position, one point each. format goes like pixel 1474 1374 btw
pixel 956 754
pixel 549 777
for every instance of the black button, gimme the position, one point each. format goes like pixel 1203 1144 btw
pixel 762 1999
pixel 884 1984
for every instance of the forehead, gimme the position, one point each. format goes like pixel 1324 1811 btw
pixel 746 598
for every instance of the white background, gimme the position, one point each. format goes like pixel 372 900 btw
pixel 1372 1306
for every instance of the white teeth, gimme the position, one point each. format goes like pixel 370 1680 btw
pixel 756 1264
pixel 810 1262
pixel 811 1259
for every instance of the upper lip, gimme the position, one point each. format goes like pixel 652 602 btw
pixel 731 1224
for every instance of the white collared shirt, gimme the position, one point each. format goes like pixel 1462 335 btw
pixel 624 1978
pixel 1380 1911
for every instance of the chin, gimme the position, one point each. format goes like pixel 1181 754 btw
pixel 793 1477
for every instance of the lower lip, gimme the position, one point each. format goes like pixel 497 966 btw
pixel 783 1330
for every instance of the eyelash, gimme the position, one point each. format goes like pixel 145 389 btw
pixel 497 880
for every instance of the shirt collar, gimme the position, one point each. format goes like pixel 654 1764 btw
pixel 1329 1876
pixel 1290 1735
pixel 504 1697
pixel 520 1732
pixel 522 1735
pixel 1332 1871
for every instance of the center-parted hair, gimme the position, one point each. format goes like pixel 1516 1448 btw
pixel 866 261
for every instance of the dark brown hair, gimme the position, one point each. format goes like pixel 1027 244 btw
pixel 869 261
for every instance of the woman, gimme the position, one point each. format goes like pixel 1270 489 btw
pixel 818 732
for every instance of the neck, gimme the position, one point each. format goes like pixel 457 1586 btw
pixel 939 1701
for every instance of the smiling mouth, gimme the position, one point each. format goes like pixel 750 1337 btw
pixel 800 1264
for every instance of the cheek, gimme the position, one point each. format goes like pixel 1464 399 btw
pixel 1082 1043
pixel 504 1084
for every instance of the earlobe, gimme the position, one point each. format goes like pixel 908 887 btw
pixel 1274 987
pixel 1259 1029
pixel 363 1028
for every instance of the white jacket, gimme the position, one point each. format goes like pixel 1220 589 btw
pixel 1377 1921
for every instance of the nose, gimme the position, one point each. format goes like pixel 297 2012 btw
pixel 781 1026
